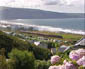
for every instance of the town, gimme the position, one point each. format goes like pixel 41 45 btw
pixel 43 44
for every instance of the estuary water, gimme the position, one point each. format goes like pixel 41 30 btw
pixel 72 25
pixel 69 25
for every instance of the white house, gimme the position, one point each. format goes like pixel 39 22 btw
pixel 41 44
pixel 37 43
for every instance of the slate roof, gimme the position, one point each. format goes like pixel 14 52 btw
pixel 63 48
pixel 81 42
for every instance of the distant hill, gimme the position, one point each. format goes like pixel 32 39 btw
pixel 23 13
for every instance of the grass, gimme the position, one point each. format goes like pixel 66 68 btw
pixel 66 36
pixel 71 36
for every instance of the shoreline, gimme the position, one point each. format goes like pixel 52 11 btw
pixel 41 28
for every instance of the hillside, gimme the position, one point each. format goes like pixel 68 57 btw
pixel 10 42
pixel 23 13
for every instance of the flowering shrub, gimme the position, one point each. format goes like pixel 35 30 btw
pixel 55 59
pixel 73 55
pixel 77 55
pixel 66 65
pixel 54 67
pixel 70 65
pixel 81 52
pixel 81 61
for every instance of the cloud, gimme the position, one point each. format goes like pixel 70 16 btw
pixel 73 2
pixel 51 2
pixel 42 4
pixel 27 3
pixel 64 2
pixel 21 3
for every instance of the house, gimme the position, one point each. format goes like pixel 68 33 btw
pixel 37 43
pixel 57 41
pixel 7 32
pixel 43 45
pixel 53 50
pixel 63 48
pixel 81 42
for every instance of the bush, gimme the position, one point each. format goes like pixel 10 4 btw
pixel 3 63
pixel 22 59
pixel 10 42
pixel 81 67
pixel 42 64
pixel 40 53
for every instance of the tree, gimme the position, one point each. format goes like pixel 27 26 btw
pixel 22 59
pixel 40 53
pixel 3 64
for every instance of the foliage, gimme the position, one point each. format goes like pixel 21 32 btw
pixel 23 59
pixel 40 53
pixel 3 62
pixel 10 42
pixel 81 67
pixel 53 45
pixel 63 54
pixel 42 64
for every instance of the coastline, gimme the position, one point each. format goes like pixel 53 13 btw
pixel 6 24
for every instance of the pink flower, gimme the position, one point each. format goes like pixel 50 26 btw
pixel 62 67
pixel 69 65
pixel 54 67
pixel 77 54
pixel 81 61
pixel 73 55
pixel 55 59
pixel 81 52
pixel 64 62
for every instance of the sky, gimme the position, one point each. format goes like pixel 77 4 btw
pixel 68 6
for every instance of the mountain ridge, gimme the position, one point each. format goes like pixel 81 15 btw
pixel 10 13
